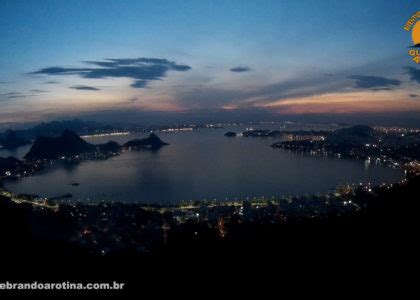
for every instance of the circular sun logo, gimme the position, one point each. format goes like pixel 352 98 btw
pixel 416 34
pixel 413 25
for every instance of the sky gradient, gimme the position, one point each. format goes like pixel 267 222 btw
pixel 63 59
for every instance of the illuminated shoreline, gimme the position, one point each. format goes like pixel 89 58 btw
pixel 106 134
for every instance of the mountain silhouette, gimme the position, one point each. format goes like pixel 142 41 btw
pixel 152 141
pixel 352 136
pixel 110 146
pixel 67 144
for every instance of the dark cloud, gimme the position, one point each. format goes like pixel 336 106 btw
pixel 413 95
pixel 374 82
pixel 139 84
pixel 84 88
pixel 240 69
pixel 141 70
pixel 16 96
pixel 38 91
pixel 382 89
pixel 414 74
pixel 11 94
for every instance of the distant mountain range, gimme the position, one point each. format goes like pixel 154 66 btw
pixel 10 140
pixel 14 138
pixel 69 145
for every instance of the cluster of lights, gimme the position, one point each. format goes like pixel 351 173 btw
pixel 178 129
pixel 106 134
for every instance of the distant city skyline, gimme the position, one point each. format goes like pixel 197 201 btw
pixel 117 60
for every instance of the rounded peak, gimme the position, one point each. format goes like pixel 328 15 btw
pixel 67 132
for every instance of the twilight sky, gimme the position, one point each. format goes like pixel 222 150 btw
pixel 71 58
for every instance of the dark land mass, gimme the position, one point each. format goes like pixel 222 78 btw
pixel 10 140
pixel 361 142
pixel 277 133
pixel 64 196
pixel 137 244
pixel 10 164
pixel 70 146
pixel 15 138
pixel 152 141
pixel 67 144
pixel 110 146
pixel 13 168
pixel 55 128
pixel 352 136
pixel 230 134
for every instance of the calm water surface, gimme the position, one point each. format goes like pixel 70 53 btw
pixel 201 164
